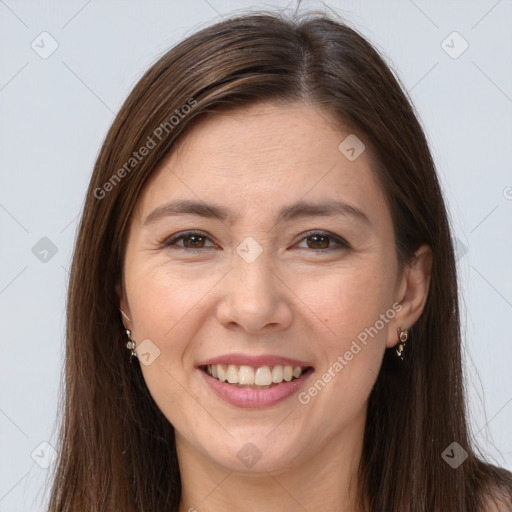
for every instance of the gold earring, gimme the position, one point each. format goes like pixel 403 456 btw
pixel 403 334
pixel 130 345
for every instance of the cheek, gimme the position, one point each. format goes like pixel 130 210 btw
pixel 165 307
pixel 355 309
pixel 351 300
pixel 164 302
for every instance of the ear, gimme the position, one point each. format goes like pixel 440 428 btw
pixel 412 292
pixel 123 307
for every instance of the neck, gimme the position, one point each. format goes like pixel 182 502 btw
pixel 327 481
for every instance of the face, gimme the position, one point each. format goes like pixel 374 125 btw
pixel 259 280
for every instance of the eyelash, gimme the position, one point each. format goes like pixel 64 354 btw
pixel 170 242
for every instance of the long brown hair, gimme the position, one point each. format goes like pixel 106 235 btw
pixel 117 449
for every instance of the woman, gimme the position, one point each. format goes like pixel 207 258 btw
pixel 265 233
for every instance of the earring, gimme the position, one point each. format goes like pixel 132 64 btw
pixel 403 334
pixel 124 314
pixel 130 345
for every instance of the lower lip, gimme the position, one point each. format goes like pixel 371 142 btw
pixel 254 398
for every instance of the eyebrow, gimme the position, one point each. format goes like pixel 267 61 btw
pixel 295 211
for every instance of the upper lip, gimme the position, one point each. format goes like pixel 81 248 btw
pixel 254 361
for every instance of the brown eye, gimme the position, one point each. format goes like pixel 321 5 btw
pixel 324 242
pixel 194 241
pixel 319 241
pixel 190 240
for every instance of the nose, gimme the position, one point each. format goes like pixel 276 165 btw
pixel 255 298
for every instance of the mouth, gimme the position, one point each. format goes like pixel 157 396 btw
pixel 250 377
pixel 254 384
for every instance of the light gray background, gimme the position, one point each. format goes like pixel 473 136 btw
pixel 55 113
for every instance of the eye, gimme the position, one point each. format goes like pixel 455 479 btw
pixel 192 240
pixel 320 241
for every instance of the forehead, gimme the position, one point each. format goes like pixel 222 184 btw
pixel 259 158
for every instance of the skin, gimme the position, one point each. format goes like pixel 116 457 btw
pixel 291 301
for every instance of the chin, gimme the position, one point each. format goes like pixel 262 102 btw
pixel 255 454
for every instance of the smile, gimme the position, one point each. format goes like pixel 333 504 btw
pixel 249 377
pixel 246 386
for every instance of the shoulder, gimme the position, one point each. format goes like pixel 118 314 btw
pixel 497 502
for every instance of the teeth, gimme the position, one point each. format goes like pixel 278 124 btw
pixel 277 374
pixel 245 375
pixel 263 376
pixel 232 374
pixel 220 371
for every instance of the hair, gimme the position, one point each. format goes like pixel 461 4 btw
pixel 116 448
